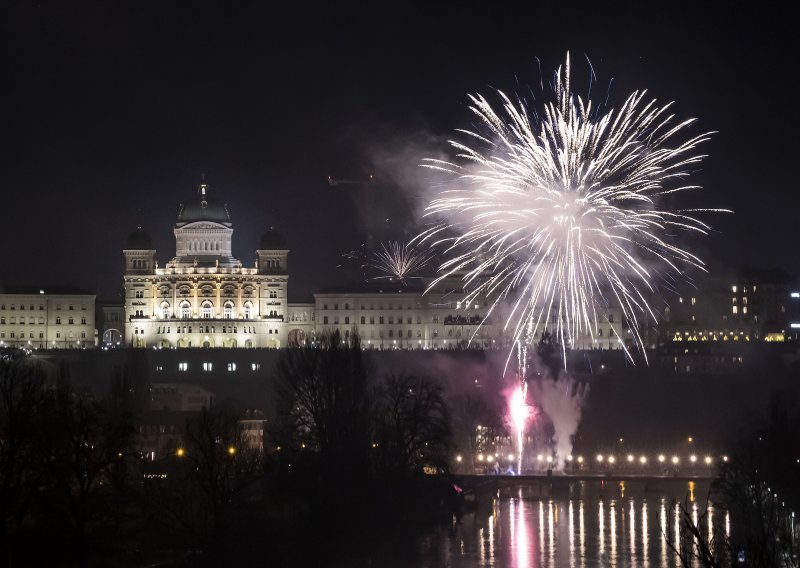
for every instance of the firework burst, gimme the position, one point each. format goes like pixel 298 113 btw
pixel 558 210
pixel 400 261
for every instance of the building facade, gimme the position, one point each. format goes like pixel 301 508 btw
pixel 204 296
pixel 396 316
pixel 47 319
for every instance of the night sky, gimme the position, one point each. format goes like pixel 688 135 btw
pixel 110 112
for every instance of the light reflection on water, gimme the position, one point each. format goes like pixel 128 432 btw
pixel 591 526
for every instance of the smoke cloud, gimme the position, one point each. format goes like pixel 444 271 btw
pixel 562 400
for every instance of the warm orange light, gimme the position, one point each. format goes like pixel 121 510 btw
pixel 231 450
pixel 180 452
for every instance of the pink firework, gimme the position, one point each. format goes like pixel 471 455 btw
pixel 519 412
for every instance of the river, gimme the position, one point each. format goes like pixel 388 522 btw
pixel 587 524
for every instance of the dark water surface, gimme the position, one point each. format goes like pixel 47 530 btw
pixel 590 523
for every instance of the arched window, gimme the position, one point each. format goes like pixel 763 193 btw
pixel 227 310
pixel 186 310
pixel 165 310
pixel 207 310
pixel 391 333
pixel 248 310
pixel 363 320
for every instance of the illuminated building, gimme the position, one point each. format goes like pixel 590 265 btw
pixel 204 296
pixel 397 316
pixel 47 319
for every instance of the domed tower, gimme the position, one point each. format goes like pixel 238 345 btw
pixel 140 256
pixel 273 253
pixel 203 234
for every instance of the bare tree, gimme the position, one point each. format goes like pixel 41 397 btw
pixel 21 401
pixel 88 463
pixel 413 424
pixel 204 477
pixel 323 399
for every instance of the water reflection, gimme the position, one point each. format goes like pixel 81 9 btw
pixel 589 526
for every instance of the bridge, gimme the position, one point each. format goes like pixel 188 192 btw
pixel 481 488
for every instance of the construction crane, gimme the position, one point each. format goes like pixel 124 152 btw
pixel 333 182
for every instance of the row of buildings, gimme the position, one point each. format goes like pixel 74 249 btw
pixel 206 297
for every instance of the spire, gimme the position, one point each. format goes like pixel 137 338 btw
pixel 202 191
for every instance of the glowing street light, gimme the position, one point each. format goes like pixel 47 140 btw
pixel 707 460
pixel 693 458
pixel 480 457
pixel 643 460
pixel 231 450
pixel 661 458
pixel 458 459
pixel 611 459
pixel 180 452
pixel 600 457
pixel 675 459
pixel 630 457
pixel 580 459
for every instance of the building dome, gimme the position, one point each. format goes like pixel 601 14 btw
pixel 138 240
pixel 204 211
pixel 273 240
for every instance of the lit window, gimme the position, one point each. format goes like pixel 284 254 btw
pixel 255 366
pixel 207 310
pixel 183 366
pixel 734 289
pixel 208 366
pixel 694 300
pixel 735 310
pixel 231 366
pixel 744 310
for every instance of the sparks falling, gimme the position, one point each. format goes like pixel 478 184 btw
pixel 558 210
pixel 519 411
pixel 399 262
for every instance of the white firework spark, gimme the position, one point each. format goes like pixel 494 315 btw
pixel 400 261
pixel 559 211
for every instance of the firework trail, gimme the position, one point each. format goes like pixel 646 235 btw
pixel 399 262
pixel 557 210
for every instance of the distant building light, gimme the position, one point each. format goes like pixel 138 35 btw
pixel 795 325
pixel 42 292
pixel 795 294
